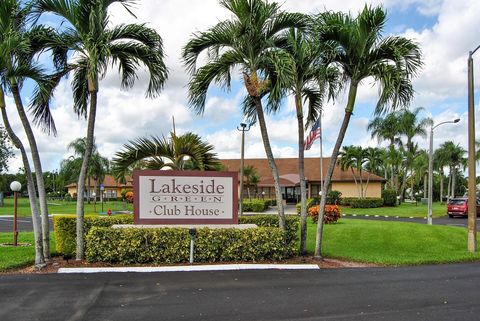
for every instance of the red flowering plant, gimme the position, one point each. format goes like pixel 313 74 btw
pixel 129 197
pixel 332 213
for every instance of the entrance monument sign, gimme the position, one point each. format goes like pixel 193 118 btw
pixel 185 197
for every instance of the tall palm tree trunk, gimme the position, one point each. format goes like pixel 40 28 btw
pixel 341 135
pixel 449 183
pixel 441 186
pixel 93 88
pixel 37 164
pixel 301 173
pixel 454 178
pixel 425 185
pixel 32 194
pixel 403 184
pixel 271 161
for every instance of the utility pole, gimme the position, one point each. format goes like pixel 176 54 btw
pixel 472 175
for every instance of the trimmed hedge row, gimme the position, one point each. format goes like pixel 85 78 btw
pixel 256 205
pixel 65 229
pixel 65 237
pixel 172 245
pixel 367 202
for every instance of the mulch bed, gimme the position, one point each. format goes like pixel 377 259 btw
pixel 59 262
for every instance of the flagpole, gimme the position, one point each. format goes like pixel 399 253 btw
pixel 321 152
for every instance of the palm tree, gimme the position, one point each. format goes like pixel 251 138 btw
pixel 454 155
pixel 411 125
pixel 353 158
pixel 20 43
pixel 440 161
pixel 187 151
pixel 251 178
pixel 32 193
pixel 358 47
pixel 374 157
pixel 95 44
pixel 247 41
pixel 386 128
pixel 311 82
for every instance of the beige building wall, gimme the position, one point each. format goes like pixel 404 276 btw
pixel 349 189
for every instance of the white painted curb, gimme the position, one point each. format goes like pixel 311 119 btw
pixel 193 268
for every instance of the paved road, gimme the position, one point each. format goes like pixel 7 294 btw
pixel 444 292
pixel 445 220
pixel 24 224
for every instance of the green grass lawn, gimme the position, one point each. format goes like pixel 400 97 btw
pixel 392 243
pixel 62 207
pixel 14 257
pixel 403 210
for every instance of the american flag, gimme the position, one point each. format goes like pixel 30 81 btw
pixel 313 135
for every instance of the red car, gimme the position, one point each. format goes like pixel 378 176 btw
pixel 459 207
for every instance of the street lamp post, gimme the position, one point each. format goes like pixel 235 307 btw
pixel 243 128
pixel 15 187
pixel 472 175
pixel 430 169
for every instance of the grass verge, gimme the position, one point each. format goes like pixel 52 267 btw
pixel 403 210
pixel 393 243
pixel 14 257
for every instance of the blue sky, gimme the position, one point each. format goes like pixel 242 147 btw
pixel 446 30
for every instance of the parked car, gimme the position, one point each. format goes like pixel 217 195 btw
pixel 459 207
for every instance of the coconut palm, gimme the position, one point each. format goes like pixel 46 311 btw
pixel 19 44
pixel 246 42
pixel 187 151
pixel 411 125
pixel 374 158
pixel 95 43
pixel 358 47
pixel 440 161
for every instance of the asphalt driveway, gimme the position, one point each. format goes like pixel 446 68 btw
pixel 444 292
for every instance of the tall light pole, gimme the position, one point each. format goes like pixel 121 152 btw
pixel 472 175
pixel 15 187
pixel 243 128
pixel 430 169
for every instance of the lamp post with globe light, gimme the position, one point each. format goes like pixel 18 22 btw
pixel 430 168
pixel 243 128
pixel 15 187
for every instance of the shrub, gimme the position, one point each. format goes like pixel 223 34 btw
pixel 129 197
pixel 256 205
pixel 310 202
pixel 334 197
pixel 124 191
pixel 332 213
pixel 171 245
pixel 367 202
pixel 64 227
pixel 389 197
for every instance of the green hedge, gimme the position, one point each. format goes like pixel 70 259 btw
pixel 367 202
pixel 65 231
pixel 389 197
pixel 256 205
pixel 167 245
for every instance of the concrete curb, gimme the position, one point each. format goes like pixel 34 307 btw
pixel 192 268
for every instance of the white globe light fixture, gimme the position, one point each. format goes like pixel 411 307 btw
pixel 15 186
